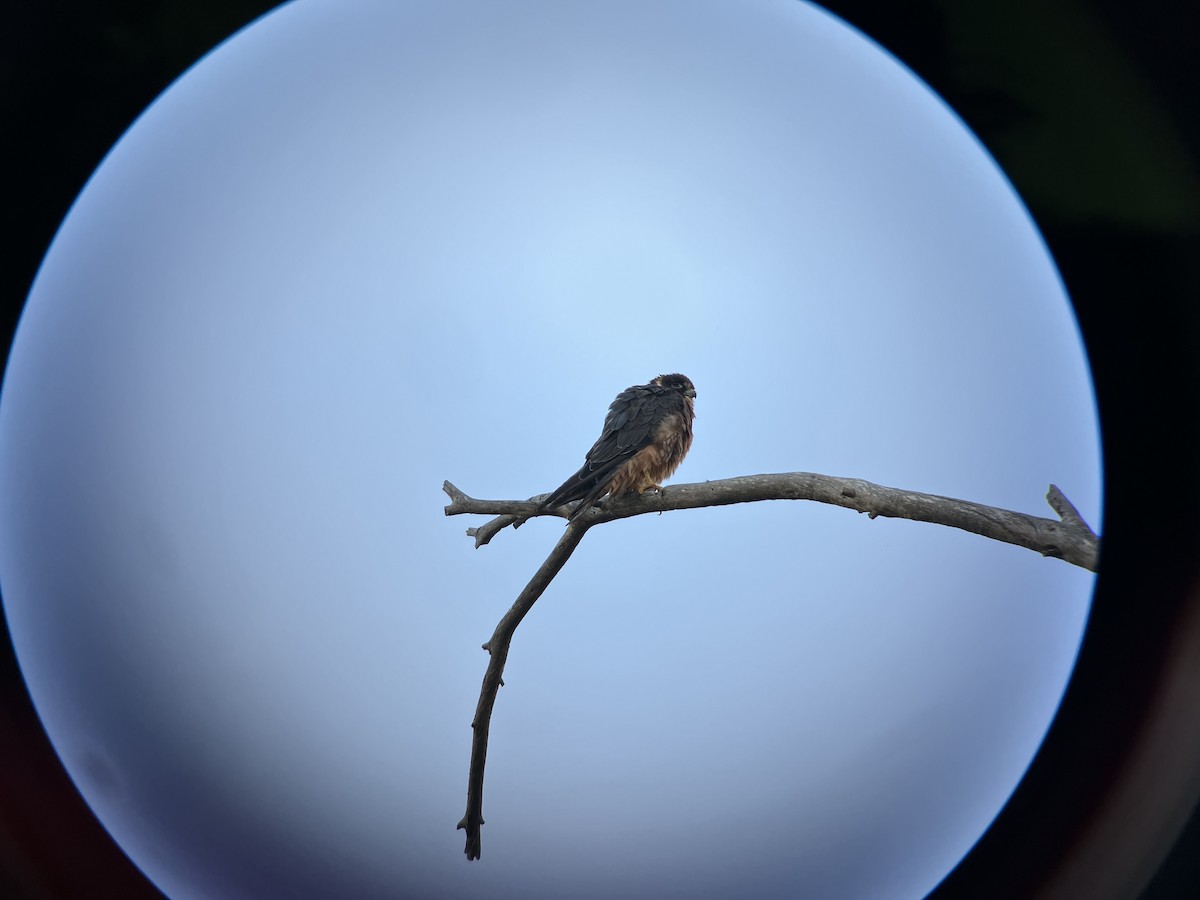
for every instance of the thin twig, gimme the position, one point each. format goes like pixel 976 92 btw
pixel 1066 509
pixel 497 648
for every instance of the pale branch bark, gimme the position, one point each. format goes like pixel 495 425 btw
pixel 1066 510
pixel 497 649
pixel 1068 538
pixel 524 509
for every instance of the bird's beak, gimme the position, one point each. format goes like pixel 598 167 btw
pixel 690 392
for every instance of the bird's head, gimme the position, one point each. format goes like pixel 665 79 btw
pixel 676 382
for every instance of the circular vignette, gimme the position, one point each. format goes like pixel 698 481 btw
pixel 1089 260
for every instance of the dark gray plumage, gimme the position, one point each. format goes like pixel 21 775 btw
pixel 647 433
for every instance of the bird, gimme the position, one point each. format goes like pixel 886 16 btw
pixel 647 433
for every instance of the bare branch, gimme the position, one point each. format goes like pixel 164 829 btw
pixel 514 512
pixel 497 647
pixel 1069 539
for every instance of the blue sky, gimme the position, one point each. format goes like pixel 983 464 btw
pixel 365 247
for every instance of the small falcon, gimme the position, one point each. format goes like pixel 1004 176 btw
pixel 647 433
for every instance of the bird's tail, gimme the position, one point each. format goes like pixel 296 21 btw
pixel 585 486
pixel 589 499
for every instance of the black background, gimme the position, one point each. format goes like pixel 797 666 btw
pixel 74 75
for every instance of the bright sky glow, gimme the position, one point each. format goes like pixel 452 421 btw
pixel 368 246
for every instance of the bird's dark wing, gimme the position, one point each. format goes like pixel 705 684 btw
pixel 629 426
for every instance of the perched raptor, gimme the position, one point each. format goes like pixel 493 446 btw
pixel 647 433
